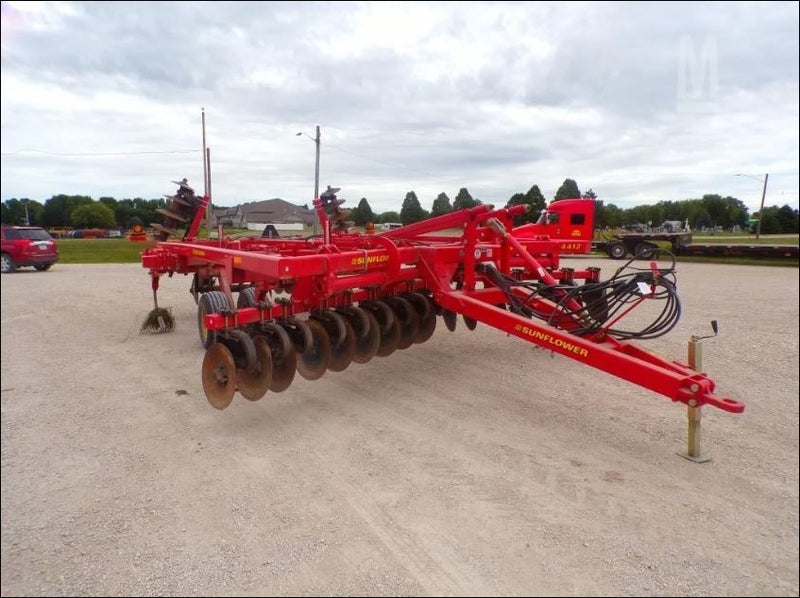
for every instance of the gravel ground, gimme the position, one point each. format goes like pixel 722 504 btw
pixel 473 464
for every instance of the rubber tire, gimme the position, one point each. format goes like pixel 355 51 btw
pixel 213 302
pixel 246 298
pixel 645 250
pixel 617 251
pixel 7 264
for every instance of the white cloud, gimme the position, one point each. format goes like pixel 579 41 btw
pixel 428 97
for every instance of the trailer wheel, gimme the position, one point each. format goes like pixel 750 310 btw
pixel 645 250
pixel 617 251
pixel 213 302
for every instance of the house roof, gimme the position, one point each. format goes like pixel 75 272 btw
pixel 268 210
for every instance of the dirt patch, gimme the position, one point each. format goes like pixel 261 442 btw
pixel 473 464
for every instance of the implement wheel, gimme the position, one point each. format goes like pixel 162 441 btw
pixel 213 302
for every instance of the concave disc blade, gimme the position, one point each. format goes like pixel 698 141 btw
pixel 409 321
pixel 313 362
pixel 389 340
pixel 219 376
pixel 253 383
pixel 342 354
pixel 427 316
pixel 368 343
pixel 450 318
pixel 284 356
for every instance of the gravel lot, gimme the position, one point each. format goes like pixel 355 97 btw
pixel 473 464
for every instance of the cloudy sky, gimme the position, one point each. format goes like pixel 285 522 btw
pixel 640 102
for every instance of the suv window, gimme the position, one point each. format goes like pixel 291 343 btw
pixel 31 234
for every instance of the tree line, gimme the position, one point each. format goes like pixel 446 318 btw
pixel 708 211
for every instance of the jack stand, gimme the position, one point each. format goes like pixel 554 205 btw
pixel 694 412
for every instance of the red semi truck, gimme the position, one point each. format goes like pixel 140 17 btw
pixel 571 223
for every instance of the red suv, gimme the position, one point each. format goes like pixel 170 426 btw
pixel 27 246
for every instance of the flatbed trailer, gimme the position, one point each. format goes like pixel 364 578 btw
pixel 645 245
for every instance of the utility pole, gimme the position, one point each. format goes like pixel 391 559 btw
pixel 761 210
pixel 316 172
pixel 316 168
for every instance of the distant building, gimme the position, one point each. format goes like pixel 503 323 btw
pixel 256 215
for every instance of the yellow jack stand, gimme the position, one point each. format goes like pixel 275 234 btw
pixel 694 412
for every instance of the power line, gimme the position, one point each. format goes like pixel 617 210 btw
pixel 98 153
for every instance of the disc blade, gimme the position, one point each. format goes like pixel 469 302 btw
pixel 219 376
pixel 163 229
pixel 470 322
pixel 333 324
pixel 313 362
pixel 254 383
pixel 357 318
pixel 421 304
pixel 426 328
pixel 368 344
pixel 382 312
pixel 427 316
pixel 299 332
pixel 450 318
pixel 389 340
pixel 172 215
pixel 284 356
pixel 342 354
pixel 408 318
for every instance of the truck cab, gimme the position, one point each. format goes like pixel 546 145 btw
pixel 568 221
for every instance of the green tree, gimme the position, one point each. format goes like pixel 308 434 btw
pixel 14 211
pixel 94 215
pixel 770 223
pixel 58 209
pixel 609 216
pixel 535 202
pixel 412 210
pixel 464 200
pixel 567 190
pixel 590 194
pixel 363 213
pixel 441 205
pixel 111 203
pixel 656 215
pixel 788 219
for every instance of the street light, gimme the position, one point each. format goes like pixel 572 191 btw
pixel 316 170
pixel 763 195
